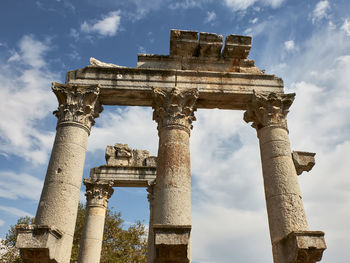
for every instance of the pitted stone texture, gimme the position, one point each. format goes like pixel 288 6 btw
pixel 300 247
pixel 278 168
pixel 123 155
pixel 285 209
pixel 150 241
pixel 37 244
pixel 303 161
pixel 60 196
pixel 286 214
pixel 173 187
pixel 77 104
pixel 97 195
pixel 174 108
pixel 174 113
pixel 267 110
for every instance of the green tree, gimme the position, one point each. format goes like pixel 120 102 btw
pixel 119 245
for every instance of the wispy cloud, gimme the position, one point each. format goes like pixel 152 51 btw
pixel 14 186
pixel 290 45
pixel 240 5
pixel 108 25
pixel 321 11
pixel 15 211
pixel 346 26
pixel 26 99
pixel 211 16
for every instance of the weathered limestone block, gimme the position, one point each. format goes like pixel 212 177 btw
pixel 97 195
pixel 237 47
pixel 78 107
pixel 172 243
pixel 174 113
pixel 37 243
pixel 303 161
pixel 301 247
pixel 210 45
pixel 285 209
pixel 183 43
pixel 122 155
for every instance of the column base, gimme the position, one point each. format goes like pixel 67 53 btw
pixel 300 247
pixel 37 243
pixel 172 243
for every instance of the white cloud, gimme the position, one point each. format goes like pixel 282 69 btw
pixel 346 26
pixel 239 5
pixel 321 11
pixel 25 100
pixel 211 16
pixel 254 21
pixel 123 120
pixel 290 45
pixel 184 4
pixel 2 222
pixel 107 26
pixel 274 3
pixel 15 211
pixel 14 186
pixel 74 33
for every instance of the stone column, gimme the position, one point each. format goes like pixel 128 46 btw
pixel 150 241
pixel 290 237
pixel 174 113
pixel 97 195
pixel 57 209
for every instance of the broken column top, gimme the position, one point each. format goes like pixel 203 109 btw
pixel 123 155
pixel 190 50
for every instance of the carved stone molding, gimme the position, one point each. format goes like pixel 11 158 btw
pixel 150 190
pixel 268 110
pixel 77 104
pixel 303 161
pixel 98 193
pixel 302 247
pixel 174 108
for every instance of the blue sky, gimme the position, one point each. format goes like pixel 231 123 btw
pixel 307 43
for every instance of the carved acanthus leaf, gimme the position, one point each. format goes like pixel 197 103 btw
pixel 77 103
pixel 98 193
pixel 174 107
pixel 268 110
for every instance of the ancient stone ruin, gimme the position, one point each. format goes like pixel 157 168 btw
pixel 200 72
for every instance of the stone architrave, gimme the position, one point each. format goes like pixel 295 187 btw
pixel 292 242
pixel 97 195
pixel 174 112
pixel 57 209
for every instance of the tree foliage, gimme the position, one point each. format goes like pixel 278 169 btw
pixel 119 245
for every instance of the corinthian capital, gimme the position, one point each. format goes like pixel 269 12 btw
pixel 269 110
pixel 174 108
pixel 77 104
pixel 98 193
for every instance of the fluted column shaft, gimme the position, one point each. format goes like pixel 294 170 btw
pixel 78 106
pixel 282 192
pixel 174 113
pixel 97 195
